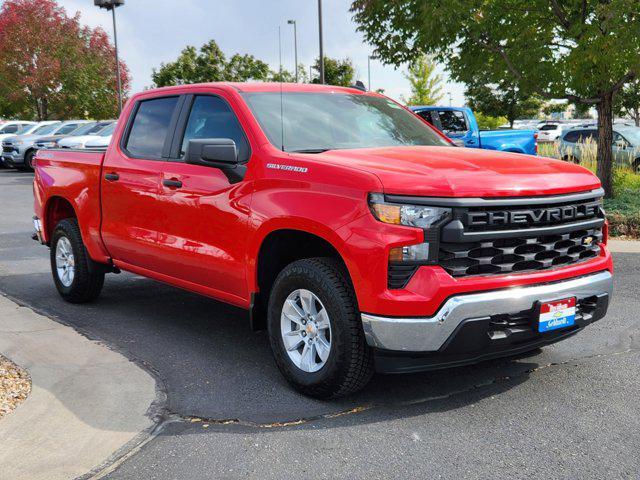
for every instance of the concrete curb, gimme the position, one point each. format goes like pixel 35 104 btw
pixel 624 246
pixel 87 403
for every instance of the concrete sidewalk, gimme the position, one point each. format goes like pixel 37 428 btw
pixel 624 246
pixel 87 403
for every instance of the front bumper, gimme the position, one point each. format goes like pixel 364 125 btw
pixel 14 157
pixel 476 315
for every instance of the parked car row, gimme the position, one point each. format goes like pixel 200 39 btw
pixel 21 140
pixel 575 143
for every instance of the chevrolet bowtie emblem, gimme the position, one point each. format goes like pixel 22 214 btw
pixel 587 240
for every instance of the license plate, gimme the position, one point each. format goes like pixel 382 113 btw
pixel 557 314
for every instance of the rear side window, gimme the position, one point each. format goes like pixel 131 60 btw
pixel 429 116
pixel 548 127
pixel 150 126
pixel 211 117
pixel 572 137
pixel 452 121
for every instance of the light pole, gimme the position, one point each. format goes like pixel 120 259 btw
pixel 369 58
pixel 450 98
pixel 112 5
pixel 295 46
pixel 321 46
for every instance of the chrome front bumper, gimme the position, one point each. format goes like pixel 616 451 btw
pixel 428 334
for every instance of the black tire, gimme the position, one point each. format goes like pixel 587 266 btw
pixel 572 159
pixel 349 365
pixel 88 275
pixel 636 166
pixel 28 162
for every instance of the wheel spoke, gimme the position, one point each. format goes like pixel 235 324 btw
pixel 308 357
pixel 322 347
pixel 292 340
pixel 308 302
pixel 293 312
pixel 322 319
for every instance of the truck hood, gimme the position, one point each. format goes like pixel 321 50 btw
pixel 464 172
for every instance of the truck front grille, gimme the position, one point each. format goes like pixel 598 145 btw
pixel 519 254
pixel 7 149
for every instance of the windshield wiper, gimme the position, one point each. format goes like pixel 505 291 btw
pixel 310 150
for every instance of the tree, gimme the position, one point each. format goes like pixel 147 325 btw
pixel 502 101
pixel 426 85
pixel 583 51
pixel 487 122
pixel 289 77
pixel 336 72
pixel 628 102
pixel 51 66
pixel 209 64
pixel 550 108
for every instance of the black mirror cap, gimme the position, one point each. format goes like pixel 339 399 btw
pixel 213 152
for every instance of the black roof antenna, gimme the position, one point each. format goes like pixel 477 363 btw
pixel 359 85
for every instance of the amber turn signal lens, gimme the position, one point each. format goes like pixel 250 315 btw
pixel 387 213
pixel 395 255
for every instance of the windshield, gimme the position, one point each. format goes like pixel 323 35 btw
pixel 106 131
pixel 315 122
pixel 632 135
pixel 83 129
pixel 45 129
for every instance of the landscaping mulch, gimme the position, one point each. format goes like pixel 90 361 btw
pixel 15 385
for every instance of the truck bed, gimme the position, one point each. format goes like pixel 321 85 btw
pixel 68 177
pixel 508 140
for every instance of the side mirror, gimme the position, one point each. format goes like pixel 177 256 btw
pixel 621 144
pixel 212 152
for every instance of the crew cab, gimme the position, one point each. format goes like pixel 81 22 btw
pixel 461 126
pixel 358 236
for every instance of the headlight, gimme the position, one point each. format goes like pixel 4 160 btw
pixel 428 218
pixel 419 216
pixel 18 142
pixel 49 144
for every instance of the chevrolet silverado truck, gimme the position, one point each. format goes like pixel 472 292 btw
pixel 461 126
pixel 359 236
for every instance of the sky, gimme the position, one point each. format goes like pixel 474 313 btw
pixel 154 31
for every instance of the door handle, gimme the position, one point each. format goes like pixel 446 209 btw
pixel 112 177
pixel 172 183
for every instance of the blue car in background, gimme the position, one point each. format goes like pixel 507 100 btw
pixel 460 125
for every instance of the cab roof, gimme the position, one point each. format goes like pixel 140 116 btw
pixel 254 87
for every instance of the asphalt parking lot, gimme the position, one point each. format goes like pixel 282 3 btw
pixel 569 411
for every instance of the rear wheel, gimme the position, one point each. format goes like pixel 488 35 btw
pixel 315 330
pixel 572 159
pixel 636 166
pixel 77 278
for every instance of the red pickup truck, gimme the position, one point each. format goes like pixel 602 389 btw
pixel 357 234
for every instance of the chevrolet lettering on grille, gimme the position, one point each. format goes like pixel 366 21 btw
pixel 533 216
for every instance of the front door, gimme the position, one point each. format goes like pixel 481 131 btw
pixel 131 175
pixel 205 214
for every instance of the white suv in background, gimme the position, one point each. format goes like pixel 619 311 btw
pixel 551 131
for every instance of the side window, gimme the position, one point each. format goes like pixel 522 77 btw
pixel 572 137
pixel 591 135
pixel 10 129
pixel 453 121
pixel 150 126
pixel 211 117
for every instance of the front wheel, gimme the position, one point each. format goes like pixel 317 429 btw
pixel 315 330
pixel 77 278
pixel 28 162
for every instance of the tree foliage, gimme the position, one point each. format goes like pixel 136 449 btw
pixel 336 72
pixel 580 50
pixel 502 101
pixel 209 64
pixel 487 122
pixel 52 67
pixel 426 84
pixel 628 102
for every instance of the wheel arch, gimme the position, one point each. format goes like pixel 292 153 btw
pixel 57 208
pixel 278 248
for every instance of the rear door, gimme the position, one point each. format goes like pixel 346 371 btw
pixel 205 214
pixel 131 217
